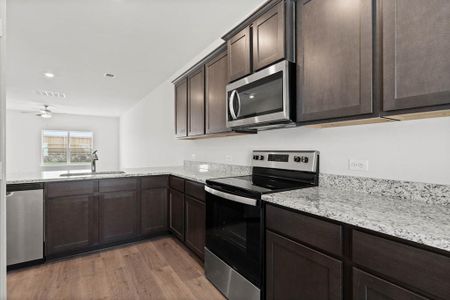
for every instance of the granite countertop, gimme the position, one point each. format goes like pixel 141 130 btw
pixel 413 220
pixel 199 173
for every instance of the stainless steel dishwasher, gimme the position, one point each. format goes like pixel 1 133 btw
pixel 25 223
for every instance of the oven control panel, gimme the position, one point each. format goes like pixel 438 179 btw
pixel 289 160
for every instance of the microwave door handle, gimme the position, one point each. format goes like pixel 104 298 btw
pixel 235 198
pixel 234 94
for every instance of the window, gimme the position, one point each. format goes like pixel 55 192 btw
pixel 66 147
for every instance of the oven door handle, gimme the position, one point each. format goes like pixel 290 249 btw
pixel 235 198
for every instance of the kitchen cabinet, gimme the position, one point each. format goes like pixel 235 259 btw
pixel 330 260
pixel 239 57
pixel 268 37
pixel 334 59
pixel 216 78
pixel 187 213
pixel 70 217
pixel 295 271
pixel 70 224
pixel 154 205
pixel 195 225
pixel 196 102
pixel 118 216
pixel 416 54
pixel 369 287
pixel 423 270
pixel 181 107
pixel 176 214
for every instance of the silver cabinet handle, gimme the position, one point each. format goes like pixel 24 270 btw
pixel 235 198
pixel 9 194
pixel 234 94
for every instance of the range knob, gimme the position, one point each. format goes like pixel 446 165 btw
pixel 255 157
pixel 261 157
pixel 297 159
pixel 305 159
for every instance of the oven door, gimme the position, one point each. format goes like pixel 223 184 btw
pixel 233 232
pixel 261 98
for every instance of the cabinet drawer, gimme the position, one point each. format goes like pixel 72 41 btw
pixel 117 185
pixel 152 182
pixel 324 235
pixel 196 190
pixel 177 183
pixel 424 270
pixel 71 188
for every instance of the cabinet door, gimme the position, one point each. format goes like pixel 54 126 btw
pixel 117 216
pixel 70 223
pixel 368 287
pixel 216 82
pixel 176 214
pixel 181 108
pixel 334 57
pixel 196 103
pixel 416 53
pixel 154 211
pixel 239 55
pixel 195 225
pixel 297 272
pixel 268 37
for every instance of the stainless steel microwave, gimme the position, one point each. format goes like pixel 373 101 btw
pixel 263 99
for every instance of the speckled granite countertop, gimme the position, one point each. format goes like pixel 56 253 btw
pixel 410 219
pixel 199 172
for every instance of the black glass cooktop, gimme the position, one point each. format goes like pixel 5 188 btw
pixel 257 184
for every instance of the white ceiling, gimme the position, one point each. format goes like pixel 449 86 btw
pixel 142 42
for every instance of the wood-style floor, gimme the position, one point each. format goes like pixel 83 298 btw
pixel 156 269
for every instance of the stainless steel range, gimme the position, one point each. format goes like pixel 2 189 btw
pixel 235 218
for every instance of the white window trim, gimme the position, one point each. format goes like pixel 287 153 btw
pixel 68 163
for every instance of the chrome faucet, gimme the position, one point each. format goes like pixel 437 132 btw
pixel 94 158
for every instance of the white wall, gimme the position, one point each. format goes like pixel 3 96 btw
pixel 23 138
pixel 408 150
pixel 2 156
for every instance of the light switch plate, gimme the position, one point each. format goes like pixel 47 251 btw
pixel 358 165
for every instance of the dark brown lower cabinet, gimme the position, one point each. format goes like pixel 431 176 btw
pixel 176 206
pixel 154 211
pixel 195 225
pixel 70 223
pixel 294 271
pixel 118 216
pixel 368 287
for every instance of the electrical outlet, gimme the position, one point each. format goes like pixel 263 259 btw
pixel 358 165
pixel 228 158
pixel 193 156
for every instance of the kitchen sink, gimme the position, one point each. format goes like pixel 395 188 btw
pixel 92 173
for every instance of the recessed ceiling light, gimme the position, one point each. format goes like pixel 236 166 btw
pixel 109 75
pixel 49 75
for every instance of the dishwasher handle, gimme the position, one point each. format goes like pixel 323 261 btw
pixel 9 194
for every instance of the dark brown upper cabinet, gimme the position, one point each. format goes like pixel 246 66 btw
pixel 416 54
pixel 196 102
pixel 334 59
pixel 239 55
pixel 268 37
pixel 216 73
pixel 181 108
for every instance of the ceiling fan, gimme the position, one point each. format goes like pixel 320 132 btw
pixel 44 112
